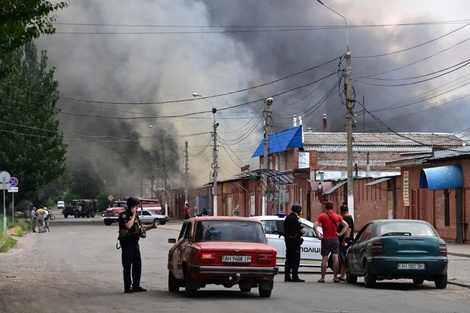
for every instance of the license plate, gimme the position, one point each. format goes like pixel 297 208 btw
pixel 411 266
pixel 236 259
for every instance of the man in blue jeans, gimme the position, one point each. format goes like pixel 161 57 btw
pixel 130 231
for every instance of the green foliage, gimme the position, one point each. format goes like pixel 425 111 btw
pixel 22 21
pixel 16 228
pixel 30 130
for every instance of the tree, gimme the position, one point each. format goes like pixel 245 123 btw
pixel 22 21
pixel 32 145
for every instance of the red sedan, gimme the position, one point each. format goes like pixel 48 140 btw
pixel 221 250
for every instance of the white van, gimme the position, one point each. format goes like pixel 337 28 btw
pixel 60 204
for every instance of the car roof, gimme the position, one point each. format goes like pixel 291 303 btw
pixel 223 218
pixel 281 217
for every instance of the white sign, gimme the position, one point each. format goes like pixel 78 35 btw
pixel 13 189
pixel 4 180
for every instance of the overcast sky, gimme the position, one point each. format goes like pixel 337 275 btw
pixel 125 65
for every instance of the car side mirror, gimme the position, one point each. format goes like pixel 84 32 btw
pixel 171 240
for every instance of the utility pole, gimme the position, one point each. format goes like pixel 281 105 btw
pixel 215 164
pixel 186 172
pixel 264 180
pixel 165 175
pixel 349 122
pixel 349 115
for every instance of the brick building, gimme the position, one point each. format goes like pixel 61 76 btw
pixel 299 160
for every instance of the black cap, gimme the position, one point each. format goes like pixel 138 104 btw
pixel 132 202
pixel 296 208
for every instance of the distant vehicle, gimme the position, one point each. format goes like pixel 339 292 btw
pixel 311 247
pixel 81 208
pixel 221 250
pixel 393 249
pixel 151 217
pixel 111 214
pixel 60 205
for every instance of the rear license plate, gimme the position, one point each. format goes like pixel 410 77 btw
pixel 411 266
pixel 236 259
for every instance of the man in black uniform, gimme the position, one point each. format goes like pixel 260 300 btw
pixel 293 231
pixel 130 230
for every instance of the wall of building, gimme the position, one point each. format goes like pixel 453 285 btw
pixel 430 205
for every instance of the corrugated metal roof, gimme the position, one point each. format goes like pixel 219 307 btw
pixel 325 139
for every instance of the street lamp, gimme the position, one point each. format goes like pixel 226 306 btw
pixel 349 106
pixel 215 162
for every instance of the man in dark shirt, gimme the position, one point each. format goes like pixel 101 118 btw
pixel 293 232
pixel 345 240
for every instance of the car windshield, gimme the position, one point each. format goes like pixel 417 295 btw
pixel 229 231
pixel 407 229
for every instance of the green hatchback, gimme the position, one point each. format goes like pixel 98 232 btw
pixel 393 249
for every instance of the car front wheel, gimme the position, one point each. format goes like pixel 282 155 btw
pixel 369 278
pixel 156 221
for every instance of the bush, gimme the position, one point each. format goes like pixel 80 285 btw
pixel 15 229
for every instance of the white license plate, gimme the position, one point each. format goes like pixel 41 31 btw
pixel 411 266
pixel 236 258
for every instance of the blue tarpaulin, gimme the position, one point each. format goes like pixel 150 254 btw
pixel 442 177
pixel 278 142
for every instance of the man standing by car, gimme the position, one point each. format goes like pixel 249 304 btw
pixel 345 240
pixel 293 232
pixel 130 230
pixel 329 221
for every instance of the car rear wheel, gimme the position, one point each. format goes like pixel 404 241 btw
pixel 441 281
pixel 173 284
pixel 265 293
pixel 245 286
pixel 418 281
pixel 189 291
pixel 106 222
pixel 369 278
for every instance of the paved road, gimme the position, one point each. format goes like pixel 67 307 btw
pixel 76 268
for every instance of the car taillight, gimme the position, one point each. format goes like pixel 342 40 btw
pixel 207 257
pixel 265 258
pixel 377 247
pixel 443 248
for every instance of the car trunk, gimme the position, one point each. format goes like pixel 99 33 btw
pixel 236 254
pixel 410 246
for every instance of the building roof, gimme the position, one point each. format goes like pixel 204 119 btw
pixel 380 141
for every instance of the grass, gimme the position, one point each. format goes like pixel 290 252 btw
pixel 15 229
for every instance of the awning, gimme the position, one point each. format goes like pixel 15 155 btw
pixel 378 181
pixel 442 177
pixel 275 177
pixel 329 191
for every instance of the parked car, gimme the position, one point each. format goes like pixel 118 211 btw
pixel 221 250
pixel 151 217
pixel 393 249
pixel 311 247
pixel 60 205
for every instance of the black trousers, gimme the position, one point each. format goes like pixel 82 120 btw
pixel 132 265
pixel 292 263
